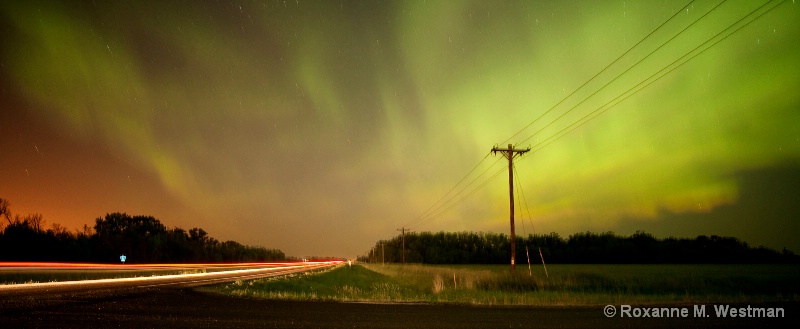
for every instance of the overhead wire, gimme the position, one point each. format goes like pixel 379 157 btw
pixel 518 212
pixel 465 196
pixel 690 55
pixel 622 97
pixel 721 36
pixel 524 199
pixel 433 208
pixel 433 212
pixel 601 71
pixel 518 180
pixel 425 213
pixel 624 72
pixel 439 211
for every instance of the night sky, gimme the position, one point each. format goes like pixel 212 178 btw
pixel 320 127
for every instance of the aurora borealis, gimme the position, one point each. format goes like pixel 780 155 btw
pixel 319 127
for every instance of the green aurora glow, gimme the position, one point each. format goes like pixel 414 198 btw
pixel 340 121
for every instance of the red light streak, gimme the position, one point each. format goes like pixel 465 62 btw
pixel 87 266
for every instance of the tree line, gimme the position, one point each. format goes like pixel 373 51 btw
pixel 579 248
pixel 142 239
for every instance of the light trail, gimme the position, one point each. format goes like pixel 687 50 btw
pixel 97 266
pixel 229 272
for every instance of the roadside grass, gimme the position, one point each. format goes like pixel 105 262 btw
pixel 602 284
pixel 496 285
pixel 343 283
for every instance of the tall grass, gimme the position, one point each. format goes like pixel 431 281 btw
pixel 566 285
pixel 350 284
pixel 599 284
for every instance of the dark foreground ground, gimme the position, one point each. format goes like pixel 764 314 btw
pixel 185 308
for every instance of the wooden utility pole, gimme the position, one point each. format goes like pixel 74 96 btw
pixel 403 230
pixel 509 154
pixel 383 253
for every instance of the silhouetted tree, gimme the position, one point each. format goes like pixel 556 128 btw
pixel 142 238
pixel 5 211
pixel 583 247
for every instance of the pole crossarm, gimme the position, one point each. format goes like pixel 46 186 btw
pixel 510 153
pixel 506 151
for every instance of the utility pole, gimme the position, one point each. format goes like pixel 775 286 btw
pixel 383 253
pixel 403 230
pixel 509 154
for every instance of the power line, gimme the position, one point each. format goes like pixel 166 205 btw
pixel 434 213
pixel 581 121
pixel 624 72
pixel 448 192
pixel 601 71
pixel 690 55
pixel 519 201
pixel 533 229
pixel 422 216
pixel 510 153
pixel 443 211
pixel 605 107
pixel 522 194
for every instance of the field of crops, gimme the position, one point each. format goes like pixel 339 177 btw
pixel 562 285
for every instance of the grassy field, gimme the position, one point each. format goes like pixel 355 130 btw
pixel 565 285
